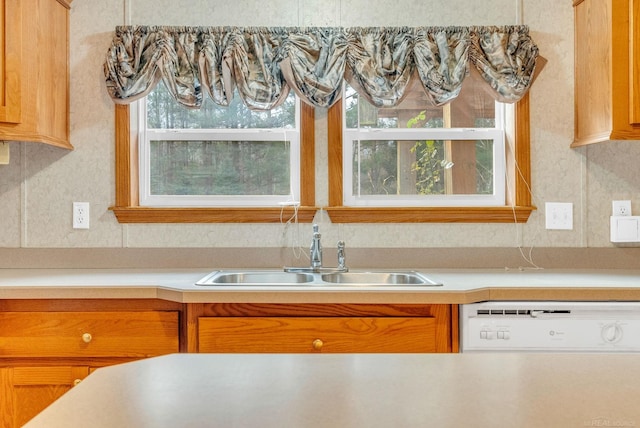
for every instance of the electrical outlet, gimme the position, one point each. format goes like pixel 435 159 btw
pixel 81 215
pixel 621 208
pixel 559 215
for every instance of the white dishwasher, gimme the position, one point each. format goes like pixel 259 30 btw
pixel 550 327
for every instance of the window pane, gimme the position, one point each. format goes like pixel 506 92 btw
pixel 163 112
pixel 220 168
pixel 426 167
pixel 473 108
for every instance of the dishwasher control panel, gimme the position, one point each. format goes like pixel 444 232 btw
pixel 550 326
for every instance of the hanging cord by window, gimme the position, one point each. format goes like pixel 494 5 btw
pixel 528 257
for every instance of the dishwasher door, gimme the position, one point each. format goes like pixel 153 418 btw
pixel 550 327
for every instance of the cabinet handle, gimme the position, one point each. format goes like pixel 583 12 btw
pixel 76 381
pixel 86 338
pixel 317 344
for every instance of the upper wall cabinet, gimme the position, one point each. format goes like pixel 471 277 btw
pixel 607 70
pixel 34 71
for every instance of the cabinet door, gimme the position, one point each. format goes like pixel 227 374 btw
pixel 10 61
pixel 317 334
pixel 26 391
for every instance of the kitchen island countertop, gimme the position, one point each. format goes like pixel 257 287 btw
pixel 356 390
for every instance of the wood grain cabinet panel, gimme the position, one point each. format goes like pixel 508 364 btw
pixel 94 334
pixel 318 328
pixel 607 70
pixel 32 389
pixel 339 335
pixel 48 346
pixel 34 71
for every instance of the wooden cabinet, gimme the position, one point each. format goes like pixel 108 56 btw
pixel 34 71
pixel 26 391
pixel 46 347
pixel 607 70
pixel 91 334
pixel 321 328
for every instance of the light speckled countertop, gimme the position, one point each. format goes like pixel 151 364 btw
pixel 460 286
pixel 356 390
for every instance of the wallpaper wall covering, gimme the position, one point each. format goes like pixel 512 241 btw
pixel 39 185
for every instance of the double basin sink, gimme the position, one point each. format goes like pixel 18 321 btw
pixel 308 277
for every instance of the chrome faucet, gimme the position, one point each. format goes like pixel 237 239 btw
pixel 316 249
pixel 315 255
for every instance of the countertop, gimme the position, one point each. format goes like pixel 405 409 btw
pixel 460 286
pixel 356 390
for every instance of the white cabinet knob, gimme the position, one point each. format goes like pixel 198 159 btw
pixel 86 338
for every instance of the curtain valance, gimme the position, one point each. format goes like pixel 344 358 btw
pixel 264 64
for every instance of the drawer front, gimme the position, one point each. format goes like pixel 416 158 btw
pixel 333 334
pixel 88 334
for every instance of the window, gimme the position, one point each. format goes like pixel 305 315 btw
pixel 131 190
pixel 462 167
pixel 518 198
pixel 444 204
pixel 217 156
pixel 417 154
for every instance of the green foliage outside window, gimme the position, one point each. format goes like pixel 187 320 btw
pixel 215 167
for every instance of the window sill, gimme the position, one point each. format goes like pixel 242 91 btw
pixel 211 215
pixel 430 215
pixel 337 214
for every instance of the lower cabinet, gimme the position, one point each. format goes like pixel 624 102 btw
pixel 48 347
pixel 26 391
pixel 248 328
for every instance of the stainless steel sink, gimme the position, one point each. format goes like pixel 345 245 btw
pixel 317 279
pixel 256 278
pixel 379 278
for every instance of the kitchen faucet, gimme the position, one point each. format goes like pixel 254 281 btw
pixel 315 256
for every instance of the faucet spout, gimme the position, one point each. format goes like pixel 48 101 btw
pixel 342 266
pixel 316 249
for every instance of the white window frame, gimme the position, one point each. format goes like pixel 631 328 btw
pixel 145 136
pixel 497 135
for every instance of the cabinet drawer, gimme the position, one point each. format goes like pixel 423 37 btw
pixel 90 334
pixel 332 334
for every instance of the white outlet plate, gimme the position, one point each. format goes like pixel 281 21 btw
pixel 558 215
pixel 81 215
pixel 621 208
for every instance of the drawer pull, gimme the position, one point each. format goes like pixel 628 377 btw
pixel 317 344
pixel 86 338
pixel 76 382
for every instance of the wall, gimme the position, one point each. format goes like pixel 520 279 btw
pixel 39 186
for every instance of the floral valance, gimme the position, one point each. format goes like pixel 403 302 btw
pixel 264 64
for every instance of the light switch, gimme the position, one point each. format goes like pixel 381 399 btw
pixel 625 229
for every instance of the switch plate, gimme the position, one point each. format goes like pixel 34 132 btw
pixel 81 215
pixel 625 229
pixel 559 215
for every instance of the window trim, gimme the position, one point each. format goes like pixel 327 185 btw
pixel 517 210
pixel 128 210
